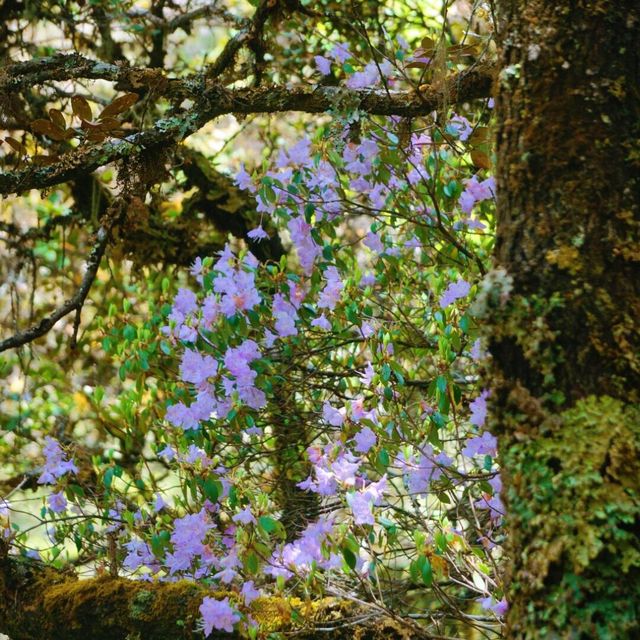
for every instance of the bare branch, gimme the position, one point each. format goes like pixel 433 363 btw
pixel 245 36
pixel 72 304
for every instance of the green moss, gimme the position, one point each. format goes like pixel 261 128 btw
pixel 574 509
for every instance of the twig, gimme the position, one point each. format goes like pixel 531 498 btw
pixel 74 303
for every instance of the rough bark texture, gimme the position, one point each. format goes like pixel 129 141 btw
pixel 40 603
pixel 563 306
pixel 213 100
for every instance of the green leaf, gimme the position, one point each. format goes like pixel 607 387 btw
pixel 427 572
pixel 251 563
pixel 267 524
pixel 349 557
pixel 107 479
pixel 211 487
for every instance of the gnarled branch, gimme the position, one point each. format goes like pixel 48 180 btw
pixel 217 100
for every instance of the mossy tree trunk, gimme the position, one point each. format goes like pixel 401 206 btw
pixel 563 305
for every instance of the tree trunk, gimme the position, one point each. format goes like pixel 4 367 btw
pixel 563 306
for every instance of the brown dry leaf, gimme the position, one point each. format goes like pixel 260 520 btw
pixel 417 64
pixel 119 105
pixel 47 128
pixel 81 108
pixel 96 136
pixel 57 118
pixel 479 136
pixel 16 145
pixel 86 125
pixel 458 51
pixel 428 45
pixel 480 159
pixel 108 124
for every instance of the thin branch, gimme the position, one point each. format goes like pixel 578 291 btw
pixel 244 37
pixel 74 303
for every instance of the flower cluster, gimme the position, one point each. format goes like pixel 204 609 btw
pixel 344 377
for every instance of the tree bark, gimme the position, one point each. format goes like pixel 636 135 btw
pixel 41 603
pixel 562 306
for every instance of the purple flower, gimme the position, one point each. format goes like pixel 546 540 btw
pixel 330 295
pixel 196 270
pixel 485 445
pixel 258 234
pixel 367 375
pixel 476 350
pixel 340 52
pixel 218 614
pixel 344 468
pixel 365 439
pixel 139 554
pixel 56 465
pixel 300 152
pixel 159 503
pixel 179 415
pixel 369 77
pixel 323 64
pixel 420 472
pixel 460 126
pixel 167 453
pixel 196 368
pixel 479 409
pixel 249 592
pixel 372 240
pixel 453 292
pixel 321 322
pixel 185 302
pixel 361 506
pixel 188 541
pixel 331 415
pixel 285 314
pixel 493 503
pixel 57 502
pixel 476 192
pixel 238 289
pixel 306 247
pixel 489 604
pixel 244 181
pixel 245 516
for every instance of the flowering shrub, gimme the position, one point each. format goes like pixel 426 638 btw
pixel 326 434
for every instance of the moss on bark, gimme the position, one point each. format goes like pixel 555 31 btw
pixel 563 315
pixel 37 602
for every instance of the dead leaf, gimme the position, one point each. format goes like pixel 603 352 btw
pixel 47 128
pixel 119 105
pixel 480 159
pixel 81 108
pixel 16 145
pixel 57 118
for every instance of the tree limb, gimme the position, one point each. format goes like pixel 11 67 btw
pixel 72 304
pixel 37 602
pixel 217 100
